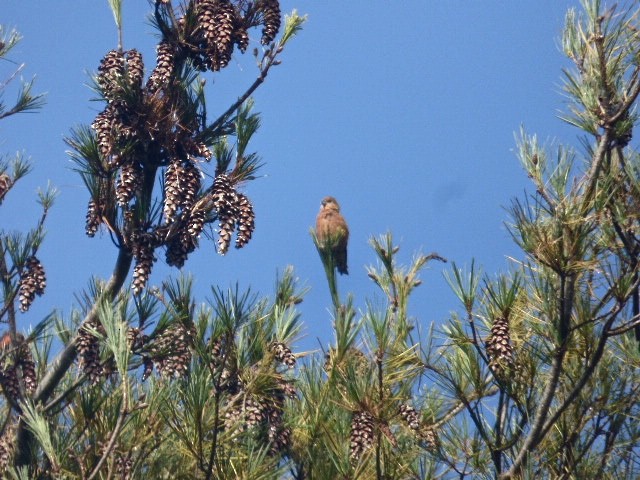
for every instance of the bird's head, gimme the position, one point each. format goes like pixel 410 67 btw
pixel 330 202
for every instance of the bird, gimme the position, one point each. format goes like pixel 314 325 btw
pixel 332 233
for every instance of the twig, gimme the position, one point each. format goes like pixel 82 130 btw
pixel 603 147
pixel 586 375
pixel 538 426
pixel 461 406
pixel 112 441
pixel 624 328
pixel 64 360
pixel 258 81
pixel 216 414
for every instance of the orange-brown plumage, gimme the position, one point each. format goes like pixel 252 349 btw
pixel 333 233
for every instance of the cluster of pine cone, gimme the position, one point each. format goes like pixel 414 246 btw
pixel 263 416
pixel 244 410
pixel 151 125
pixel 170 352
pixel 88 346
pixel 220 25
pixel 364 424
pixel 364 429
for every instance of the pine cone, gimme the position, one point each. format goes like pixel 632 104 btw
pixel 216 22
pixel 130 180
pixel 270 19
pixel 143 246
pixel 197 149
pixel 186 240
pixel 110 74
pixel 225 200
pixel 246 412
pixel 148 368
pixel 172 351
pixel 88 348
pixel 288 389
pixel 136 339
pixel 32 282
pixel 135 68
pixel 233 417
pixel 224 39
pixel 102 126
pixel 499 349
pixel 410 416
pixel 256 411
pixel 94 218
pixel 283 354
pixel 223 194
pixel 9 379
pixel 205 13
pixel 223 357
pixel 7 446
pixel 195 224
pixel 181 186
pixel 124 466
pixel 5 185
pixel 279 436
pixel 429 438
pixel 165 64
pixel 172 191
pixel 177 252
pixel 190 185
pixel 106 125
pixel 362 433
pixel 240 35
pixel 28 367
pixel 246 221
pixel 280 439
pixel 226 226
pixel 114 125
pixel 17 364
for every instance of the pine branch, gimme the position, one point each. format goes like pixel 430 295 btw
pixel 540 416
pixel 122 415
pixel 59 367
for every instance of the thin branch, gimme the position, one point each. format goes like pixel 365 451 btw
pixel 272 60
pixel 624 328
pixel 629 101
pixel 586 375
pixel 540 415
pixel 596 165
pixel 9 306
pixel 64 360
pixel 534 437
pixel 217 393
pixel 112 441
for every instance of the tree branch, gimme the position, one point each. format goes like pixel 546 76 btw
pixel 272 56
pixel 64 360
pixel 536 434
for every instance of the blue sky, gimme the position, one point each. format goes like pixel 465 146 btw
pixel 404 111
